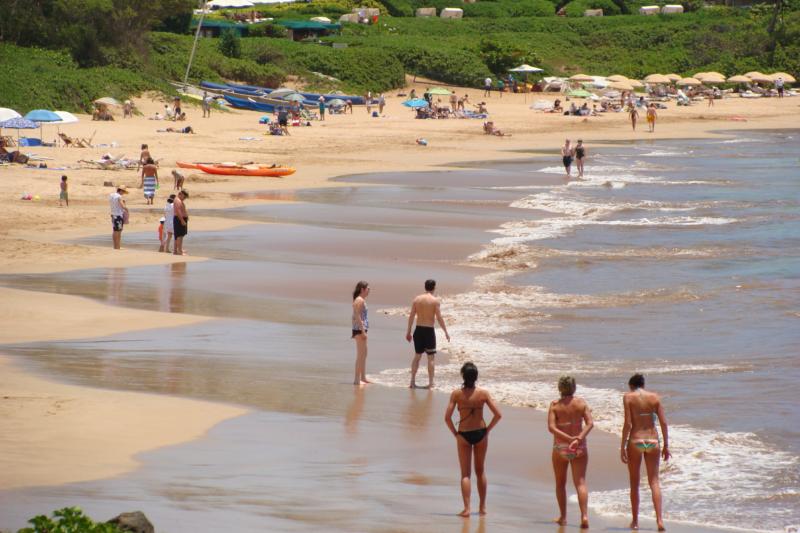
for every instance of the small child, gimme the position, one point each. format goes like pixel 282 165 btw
pixel 64 194
pixel 161 234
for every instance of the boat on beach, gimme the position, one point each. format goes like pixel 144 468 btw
pixel 269 171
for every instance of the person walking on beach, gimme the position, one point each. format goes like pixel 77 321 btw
pixel 567 152
pixel 322 108
pixel 381 103
pixel 580 156
pixel 425 308
pixel 149 180
pixel 63 195
pixel 119 212
pixel 640 440
pixel 368 102
pixel 570 421
pixel 472 436
pixel 651 117
pixel 180 221
pixel 779 86
pixel 487 87
pixel 169 224
pixel 360 327
pixel 634 115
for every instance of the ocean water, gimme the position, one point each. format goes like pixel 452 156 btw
pixel 677 259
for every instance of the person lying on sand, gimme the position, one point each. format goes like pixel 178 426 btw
pixel 489 129
pixel 187 129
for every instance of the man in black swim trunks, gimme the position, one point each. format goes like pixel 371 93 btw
pixel 425 308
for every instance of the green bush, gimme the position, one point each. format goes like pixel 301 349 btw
pixel 230 44
pixel 398 8
pixel 68 520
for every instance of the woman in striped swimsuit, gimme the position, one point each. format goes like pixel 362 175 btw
pixel 149 180
pixel 640 441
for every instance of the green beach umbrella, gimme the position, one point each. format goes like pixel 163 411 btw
pixel 440 91
pixel 579 93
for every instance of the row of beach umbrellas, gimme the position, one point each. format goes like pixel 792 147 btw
pixel 622 83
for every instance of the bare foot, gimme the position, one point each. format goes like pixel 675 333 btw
pixel 412 386
pixel 482 511
pixel 365 380
pixel 634 525
pixel 661 526
pixel 584 523
pixel 430 386
pixel 561 521
pixel 464 513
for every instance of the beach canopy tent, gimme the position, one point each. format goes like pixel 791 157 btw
pixel 671 9
pixel 527 69
pixel 66 117
pixel 689 82
pixel 415 103
pixel 581 78
pixel 579 93
pixel 439 91
pixel 8 114
pixel 617 77
pixel 657 78
pixel 738 79
pixel 228 4
pixel 649 10
pixel 788 78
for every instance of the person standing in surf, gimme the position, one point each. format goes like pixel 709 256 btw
pixel 570 421
pixel 472 436
pixel 580 156
pixel 425 308
pixel 567 153
pixel 652 115
pixel 640 441
pixel 360 327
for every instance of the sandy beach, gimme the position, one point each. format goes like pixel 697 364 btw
pixel 89 426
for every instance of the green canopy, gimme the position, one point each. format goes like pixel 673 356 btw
pixel 440 91
pixel 579 93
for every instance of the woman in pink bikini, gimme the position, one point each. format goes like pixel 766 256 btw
pixel 570 420
pixel 640 440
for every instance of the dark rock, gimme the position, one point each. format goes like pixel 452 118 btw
pixel 135 521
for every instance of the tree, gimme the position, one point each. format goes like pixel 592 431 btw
pixel 230 44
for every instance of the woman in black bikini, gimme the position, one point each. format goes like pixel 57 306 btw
pixel 472 434
pixel 580 155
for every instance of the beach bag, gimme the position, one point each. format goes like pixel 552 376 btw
pixel 126 218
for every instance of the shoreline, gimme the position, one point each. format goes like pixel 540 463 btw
pixel 212 226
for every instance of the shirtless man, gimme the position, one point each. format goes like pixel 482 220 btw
pixel 640 440
pixel 425 308
pixel 180 221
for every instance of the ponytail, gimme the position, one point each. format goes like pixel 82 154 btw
pixel 470 374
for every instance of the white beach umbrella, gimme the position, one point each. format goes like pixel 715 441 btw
pixel 788 78
pixel 753 73
pixel 227 4
pixel 7 114
pixel 657 78
pixel 66 117
pixel 581 78
pixel 739 79
pixel 620 86
pixel 636 84
pixel 689 81
pixel 617 77
pixel 526 68
pixel 760 78
pixel 673 77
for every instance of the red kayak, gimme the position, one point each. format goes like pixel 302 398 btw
pixel 246 170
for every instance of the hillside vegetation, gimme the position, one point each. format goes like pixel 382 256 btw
pixel 67 70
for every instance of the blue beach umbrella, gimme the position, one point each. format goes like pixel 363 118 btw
pixel 40 116
pixel 19 123
pixel 415 103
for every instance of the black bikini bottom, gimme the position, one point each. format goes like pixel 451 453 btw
pixel 474 436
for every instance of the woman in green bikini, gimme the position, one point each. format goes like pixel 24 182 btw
pixel 570 421
pixel 640 440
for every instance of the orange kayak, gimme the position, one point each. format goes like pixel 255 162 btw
pixel 248 170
